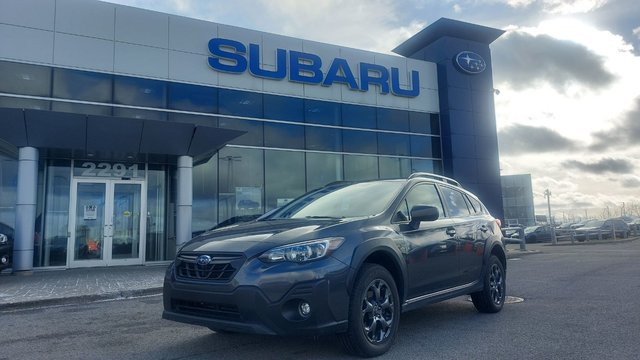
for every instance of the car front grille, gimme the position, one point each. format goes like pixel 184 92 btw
pixel 221 268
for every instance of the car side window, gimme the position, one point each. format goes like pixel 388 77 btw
pixel 421 194
pixel 477 206
pixel 455 202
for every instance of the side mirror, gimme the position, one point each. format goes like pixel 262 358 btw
pixel 420 213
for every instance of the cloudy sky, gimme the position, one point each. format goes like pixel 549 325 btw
pixel 568 72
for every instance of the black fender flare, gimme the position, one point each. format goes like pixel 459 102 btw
pixel 386 248
pixel 495 244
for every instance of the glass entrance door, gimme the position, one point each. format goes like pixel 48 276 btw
pixel 107 222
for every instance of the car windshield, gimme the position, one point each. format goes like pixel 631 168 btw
pixel 342 201
pixel 594 223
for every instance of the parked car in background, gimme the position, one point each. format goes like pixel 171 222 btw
pixel 6 245
pixel 594 229
pixel 534 234
pixel 344 259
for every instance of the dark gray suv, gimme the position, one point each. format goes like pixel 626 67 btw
pixel 347 258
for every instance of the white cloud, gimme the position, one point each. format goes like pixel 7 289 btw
pixel 636 32
pixel 563 7
pixel 457 8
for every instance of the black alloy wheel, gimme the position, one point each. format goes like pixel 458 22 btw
pixel 374 313
pixel 491 298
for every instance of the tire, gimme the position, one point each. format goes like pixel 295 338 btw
pixel 374 313
pixel 491 298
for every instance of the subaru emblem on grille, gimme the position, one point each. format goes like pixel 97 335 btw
pixel 203 260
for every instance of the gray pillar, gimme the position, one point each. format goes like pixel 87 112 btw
pixel 184 199
pixel 25 209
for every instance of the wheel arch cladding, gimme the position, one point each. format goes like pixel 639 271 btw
pixel 499 253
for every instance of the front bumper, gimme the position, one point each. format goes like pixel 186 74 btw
pixel 264 299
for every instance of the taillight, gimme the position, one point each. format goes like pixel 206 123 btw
pixel 499 223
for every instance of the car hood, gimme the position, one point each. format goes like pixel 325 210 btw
pixel 256 237
pixel 590 228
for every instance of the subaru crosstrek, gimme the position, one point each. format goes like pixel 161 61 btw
pixel 347 258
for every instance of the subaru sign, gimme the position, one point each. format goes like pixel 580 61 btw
pixel 234 57
pixel 470 62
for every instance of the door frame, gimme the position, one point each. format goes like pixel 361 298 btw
pixel 107 259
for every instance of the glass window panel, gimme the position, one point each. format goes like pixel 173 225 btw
pixel 322 112
pixel 425 146
pixel 193 119
pixel 25 79
pixel 240 103
pixel 205 196
pixel 419 195
pixel 140 92
pixel 359 116
pixel 390 119
pixel 284 177
pixel 8 186
pixel 284 135
pixel 81 108
pixel 159 247
pixel 139 113
pixel 420 122
pixel 455 202
pixel 358 167
pixel 241 174
pixel 327 139
pixel 393 144
pixel 51 239
pixel 323 169
pixel 193 98
pixel 430 166
pixel 283 108
pixel 435 124
pixel 359 141
pixel 10 102
pixel 254 129
pixel 394 168
pixel 82 85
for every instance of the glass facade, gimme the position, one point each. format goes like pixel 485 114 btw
pixel 517 198
pixel 292 145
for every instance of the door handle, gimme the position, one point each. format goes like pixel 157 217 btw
pixel 451 232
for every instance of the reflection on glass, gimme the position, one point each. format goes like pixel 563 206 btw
pixel 356 141
pixel 327 139
pixel 240 103
pixel 393 144
pixel 159 247
pixel 283 108
pixel 140 92
pixel 323 169
pixel 281 188
pixel 241 174
pixel 24 103
pixel 322 112
pixel 205 196
pixel 254 129
pixel 125 242
pixel 193 98
pixel 358 168
pixel 8 181
pixel 90 221
pixel 51 236
pixel 82 85
pixel 25 79
pixel 391 119
pixel 359 116
pixel 394 168
pixel 284 136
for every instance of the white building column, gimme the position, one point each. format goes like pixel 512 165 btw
pixel 25 209
pixel 184 199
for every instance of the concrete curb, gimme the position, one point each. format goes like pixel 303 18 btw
pixel 518 253
pixel 595 242
pixel 81 299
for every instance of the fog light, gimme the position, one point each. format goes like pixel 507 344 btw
pixel 304 309
pixel 4 260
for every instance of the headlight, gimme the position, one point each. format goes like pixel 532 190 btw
pixel 302 251
pixel 3 239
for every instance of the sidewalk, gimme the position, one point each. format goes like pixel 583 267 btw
pixel 72 286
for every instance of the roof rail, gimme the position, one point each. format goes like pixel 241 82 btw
pixel 435 177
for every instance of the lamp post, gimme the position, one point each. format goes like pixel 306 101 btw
pixel 547 194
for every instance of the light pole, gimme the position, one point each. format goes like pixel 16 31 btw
pixel 547 194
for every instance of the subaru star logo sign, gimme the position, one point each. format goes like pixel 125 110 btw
pixel 470 62
pixel 203 260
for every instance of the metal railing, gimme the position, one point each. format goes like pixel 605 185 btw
pixel 435 177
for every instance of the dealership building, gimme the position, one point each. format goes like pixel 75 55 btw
pixel 124 131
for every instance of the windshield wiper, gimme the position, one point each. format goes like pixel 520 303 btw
pixel 324 217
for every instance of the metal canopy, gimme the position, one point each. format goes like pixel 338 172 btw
pixel 110 138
